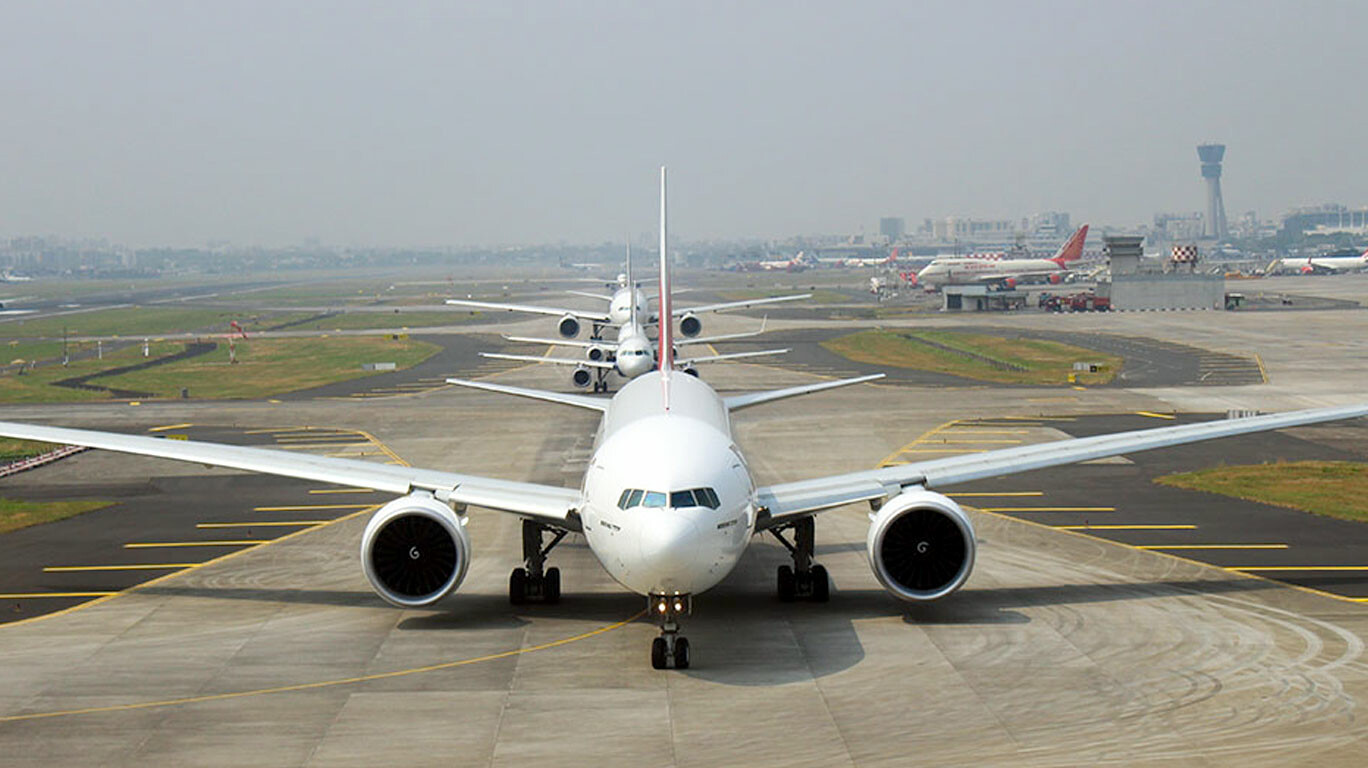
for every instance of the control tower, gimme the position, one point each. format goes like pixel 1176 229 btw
pixel 1211 156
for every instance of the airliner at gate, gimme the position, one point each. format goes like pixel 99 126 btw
pixel 668 504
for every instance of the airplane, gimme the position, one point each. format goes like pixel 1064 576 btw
pixel 1321 265
pixel 977 269
pixel 668 504
pixel 631 355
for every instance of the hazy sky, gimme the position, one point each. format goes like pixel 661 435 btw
pixel 158 123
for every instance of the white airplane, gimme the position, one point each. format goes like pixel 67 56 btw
pixel 632 355
pixel 1322 265
pixel 668 503
pixel 949 270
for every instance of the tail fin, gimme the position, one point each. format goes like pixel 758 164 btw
pixel 631 285
pixel 666 324
pixel 1072 249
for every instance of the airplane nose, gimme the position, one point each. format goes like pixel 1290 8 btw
pixel 669 546
pixel 633 366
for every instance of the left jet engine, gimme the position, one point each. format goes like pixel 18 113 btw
pixel 415 550
pixel 690 325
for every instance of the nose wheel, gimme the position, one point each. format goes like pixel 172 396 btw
pixel 804 580
pixel 671 649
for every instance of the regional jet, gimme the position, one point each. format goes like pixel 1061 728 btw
pixel 1006 272
pixel 668 504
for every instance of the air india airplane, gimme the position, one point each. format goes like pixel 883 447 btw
pixel 668 504
pixel 959 270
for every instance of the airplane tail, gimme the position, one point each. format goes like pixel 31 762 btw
pixel 666 324
pixel 631 286
pixel 1072 249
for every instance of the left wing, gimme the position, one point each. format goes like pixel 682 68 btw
pixel 537 309
pixel 676 312
pixel 790 500
pixel 728 356
pixel 545 502
pixel 553 360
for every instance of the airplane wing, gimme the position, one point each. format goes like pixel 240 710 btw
pixel 786 501
pixel 737 402
pixel 564 398
pixel 544 502
pixel 728 356
pixel 602 343
pixel 723 337
pixel 589 295
pixel 552 360
pixel 597 317
pixel 738 304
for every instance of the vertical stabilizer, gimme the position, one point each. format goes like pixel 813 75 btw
pixel 631 285
pixel 1072 249
pixel 666 324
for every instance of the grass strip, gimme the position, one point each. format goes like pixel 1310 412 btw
pixel 1331 488
pixel 1045 362
pixel 21 514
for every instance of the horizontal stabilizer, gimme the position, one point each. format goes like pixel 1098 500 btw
pixel 737 402
pixel 564 398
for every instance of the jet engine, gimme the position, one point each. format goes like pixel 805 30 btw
pixel 692 371
pixel 568 327
pixel 596 353
pixel 921 545
pixel 582 377
pixel 689 325
pixel 415 551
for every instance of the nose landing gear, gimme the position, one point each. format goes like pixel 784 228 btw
pixel 670 648
pixel 804 580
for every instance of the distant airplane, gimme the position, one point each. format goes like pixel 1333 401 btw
pixel 9 277
pixel 950 270
pixel 1321 265
pixel 668 504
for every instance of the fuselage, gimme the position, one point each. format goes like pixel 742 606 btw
pixel 669 500
pixel 969 269
pixel 1326 263
pixel 620 306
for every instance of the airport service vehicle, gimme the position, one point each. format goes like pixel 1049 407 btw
pixel 955 270
pixel 668 504
pixel 1321 265
pixel 633 353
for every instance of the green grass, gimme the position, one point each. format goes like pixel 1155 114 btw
pixel 21 514
pixel 388 320
pixel 819 295
pixel 131 321
pixel 17 450
pixel 1046 362
pixel 273 366
pixel 1330 488
pixel 36 386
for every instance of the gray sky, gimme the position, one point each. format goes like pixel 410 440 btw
pixel 404 123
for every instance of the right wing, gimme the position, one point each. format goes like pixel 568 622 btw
pixel 737 402
pixel 728 356
pixel 545 502
pixel 564 398
pixel 597 317
pixel 791 500
pixel 677 311
pixel 601 343
pixel 552 360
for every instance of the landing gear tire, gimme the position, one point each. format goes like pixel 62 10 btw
pixel 786 584
pixel 681 653
pixel 659 652
pixel 821 585
pixel 551 587
pixel 517 586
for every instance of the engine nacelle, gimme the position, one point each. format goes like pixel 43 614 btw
pixel 415 551
pixel 568 327
pixel 596 353
pixel 582 377
pixel 689 325
pixel 921 545
pixel 692 371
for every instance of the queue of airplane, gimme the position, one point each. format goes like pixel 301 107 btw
pixel 668 504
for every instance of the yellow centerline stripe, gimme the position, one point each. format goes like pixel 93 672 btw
pixel 1153 415
pixel 220 543
pixel 327 683
pixel 967 494
pixel 1298 567
pixel 1047 509
pixel 278 523
pixel 1125 527
pixel 140 567
pixel 40 595
pixel 303 507
pixel 1212 546
pixel 171 426
pixel 979 442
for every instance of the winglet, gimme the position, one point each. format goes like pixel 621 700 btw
pixel 1072 250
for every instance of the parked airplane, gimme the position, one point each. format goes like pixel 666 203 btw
pixel 1321 265
pixel 972 269
pixel 668 503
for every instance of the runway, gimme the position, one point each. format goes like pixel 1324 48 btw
pixel 1064 648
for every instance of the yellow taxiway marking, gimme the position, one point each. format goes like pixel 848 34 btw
pixel 263 523
pixel 303 507
pixel 328 683
pixel 278 430
pixel 1153 415
pixel 975 441
pixel 40 595
pixel 1212 546
pixel 974 431
pixel 139 567
pixel 342 490
pixel 310 446
pixel 1047 509
pixel 941 450
pixel 1081 389
pixel 220 543
pixel 1298 568
pixel 1125 528
pixel 967 494
pixel 170 426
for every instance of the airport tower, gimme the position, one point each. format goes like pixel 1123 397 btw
pixel 1211 156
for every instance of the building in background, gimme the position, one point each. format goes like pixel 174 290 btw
pixel 892 227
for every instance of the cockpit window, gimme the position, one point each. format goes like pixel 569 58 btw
pixel 682 500
pixel 707 497
pixel 653 499
pixel 634 499
pixel 696 497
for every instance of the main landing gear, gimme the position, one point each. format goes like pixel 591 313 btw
pixel 600 380
pixel 535 582
pixel 670 649
pixel 803 580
